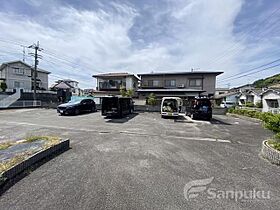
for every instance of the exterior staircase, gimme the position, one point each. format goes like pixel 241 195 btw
pixel 7 101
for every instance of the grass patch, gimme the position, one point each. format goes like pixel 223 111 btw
pixel 12 162
pixel 5 145
pixel 49 140
pixel 36 138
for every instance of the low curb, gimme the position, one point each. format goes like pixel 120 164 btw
pixel 270 153
pixel 244 117
pixel 12 172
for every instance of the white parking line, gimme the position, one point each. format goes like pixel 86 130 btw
pixel 121 132
pixel 200 139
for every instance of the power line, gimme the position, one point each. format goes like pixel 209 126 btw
pixel 270 67
pixel 252 69
pixel 244 35
pixel 57 57
pixel 54 56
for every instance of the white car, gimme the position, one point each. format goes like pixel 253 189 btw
pixel 227 104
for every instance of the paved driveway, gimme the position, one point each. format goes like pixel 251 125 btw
pixel 143 162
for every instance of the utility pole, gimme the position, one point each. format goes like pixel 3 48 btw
pixel 23 52
pixel 36 62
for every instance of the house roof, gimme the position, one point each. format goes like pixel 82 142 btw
pixel 66 80
pixel 170 90
pixel 3 65
pixel 222 89
pixel 115 74
pixel 62 85
pixel 181 73
pixel 256 91
pixel 226 94
pixel 277 91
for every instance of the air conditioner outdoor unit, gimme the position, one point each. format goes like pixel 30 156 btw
pixel 181 86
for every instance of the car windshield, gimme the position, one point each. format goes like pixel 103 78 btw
pixel 74 102
pixel 169 105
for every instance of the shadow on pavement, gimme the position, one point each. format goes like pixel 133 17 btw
pixel 7 184
pixel 120 120
pixel 218 122
pixel 74 115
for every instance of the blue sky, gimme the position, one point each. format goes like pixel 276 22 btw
pixel 81 38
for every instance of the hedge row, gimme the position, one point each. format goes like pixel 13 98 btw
pixel 271 121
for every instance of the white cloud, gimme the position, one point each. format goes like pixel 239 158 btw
pixel 195 33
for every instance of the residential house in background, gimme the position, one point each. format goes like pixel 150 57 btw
pixel 251 96
pixel 242 88
pixel 110 83
pixel 68 84
pixel 18 75
pixel 271 100
pixel 66 88
pixel 232 97
pixel 180 84
pixel 220 91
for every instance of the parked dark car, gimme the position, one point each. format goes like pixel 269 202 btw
pixel 199 108
pixel 77 107
pixel 116 106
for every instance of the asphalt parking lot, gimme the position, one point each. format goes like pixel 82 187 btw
pixel 141 162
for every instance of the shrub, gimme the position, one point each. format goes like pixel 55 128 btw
pixel 3 86
pixel 259 104
pixel 273 123
pixel 277 136
pixel 152 100
pixel 249 104
pixel 126 93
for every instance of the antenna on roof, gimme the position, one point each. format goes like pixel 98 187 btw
pixel 193 69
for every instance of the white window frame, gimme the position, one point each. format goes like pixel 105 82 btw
pixel 170 83
pixel 19 71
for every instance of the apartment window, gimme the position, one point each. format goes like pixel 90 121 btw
pixel 18 84
pixel 19 71
pixel 170 83
pixel 195 82
pixel 153 83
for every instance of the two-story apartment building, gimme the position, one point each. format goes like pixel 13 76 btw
pixel 18 75
pixel 181 84
pixel 110 83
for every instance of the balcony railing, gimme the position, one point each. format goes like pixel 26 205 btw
pixel 109 86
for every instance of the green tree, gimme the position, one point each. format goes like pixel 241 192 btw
pixel 129 93
pixel 123 91
pixel 152 99
pixel 126 93
pixel 3 86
